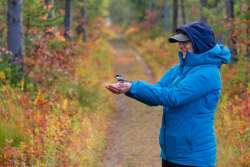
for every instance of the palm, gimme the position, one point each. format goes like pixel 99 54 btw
pixel 119 87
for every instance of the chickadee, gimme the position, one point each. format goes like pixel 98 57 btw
pixel 120 78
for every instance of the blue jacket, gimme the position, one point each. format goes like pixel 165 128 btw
pixel 189 93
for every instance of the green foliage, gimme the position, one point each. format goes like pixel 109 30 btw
pixel 35 16
pixel 35 21
pixel 9 134
pixel 214 7
pixel 125 12
pixel 97 8
pixel 156 32
pixel 13 74
pixel 3 18
pixel 57 45
pixel 121 12
pixel 241 9
pixel 240 79
pixel 9 73
pixel 86 97
pixel 139 6
pixel 3 6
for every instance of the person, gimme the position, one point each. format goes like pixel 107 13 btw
pixel 189 93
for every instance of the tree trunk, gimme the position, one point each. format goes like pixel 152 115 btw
pixel 183 12
pixel 230 9
pixel 151 5
pixel 248 44
pixel 175 15
pixel 203 4
pixel 85 21
pixel 166 16
pixel 67 19
pixel 81 29
pixel 50 5
pixel 15 33
pixel 232 38
pixel 248 34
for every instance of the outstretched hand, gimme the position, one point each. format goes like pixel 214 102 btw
pixel 119 87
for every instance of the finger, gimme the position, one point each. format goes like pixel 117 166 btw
pixel 111 85
pixel 114 87
pixel 114 90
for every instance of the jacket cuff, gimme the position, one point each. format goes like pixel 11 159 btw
pixel 132 91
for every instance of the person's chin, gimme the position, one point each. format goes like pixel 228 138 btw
pixel 183 51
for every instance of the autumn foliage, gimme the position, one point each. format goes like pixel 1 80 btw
pixel 55 114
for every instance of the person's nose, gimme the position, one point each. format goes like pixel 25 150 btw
pixel 181 46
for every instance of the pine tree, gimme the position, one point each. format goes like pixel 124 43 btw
pixel 67 19
pixel 230 17
pixel 203 4
pixel 15 33
pixel 175 15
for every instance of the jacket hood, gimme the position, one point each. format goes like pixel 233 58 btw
pixel 218 55
pixel 200 34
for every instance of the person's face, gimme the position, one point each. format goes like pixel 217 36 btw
pixel 185 46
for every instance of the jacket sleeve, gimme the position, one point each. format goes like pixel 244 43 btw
pixel 167 77
pixel 190 88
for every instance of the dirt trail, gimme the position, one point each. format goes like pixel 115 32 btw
pixel 134 127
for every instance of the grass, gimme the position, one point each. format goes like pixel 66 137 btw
pixel 9 134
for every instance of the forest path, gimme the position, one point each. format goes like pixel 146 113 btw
pixel 134 127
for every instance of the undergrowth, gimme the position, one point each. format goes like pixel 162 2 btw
pixel 53 111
